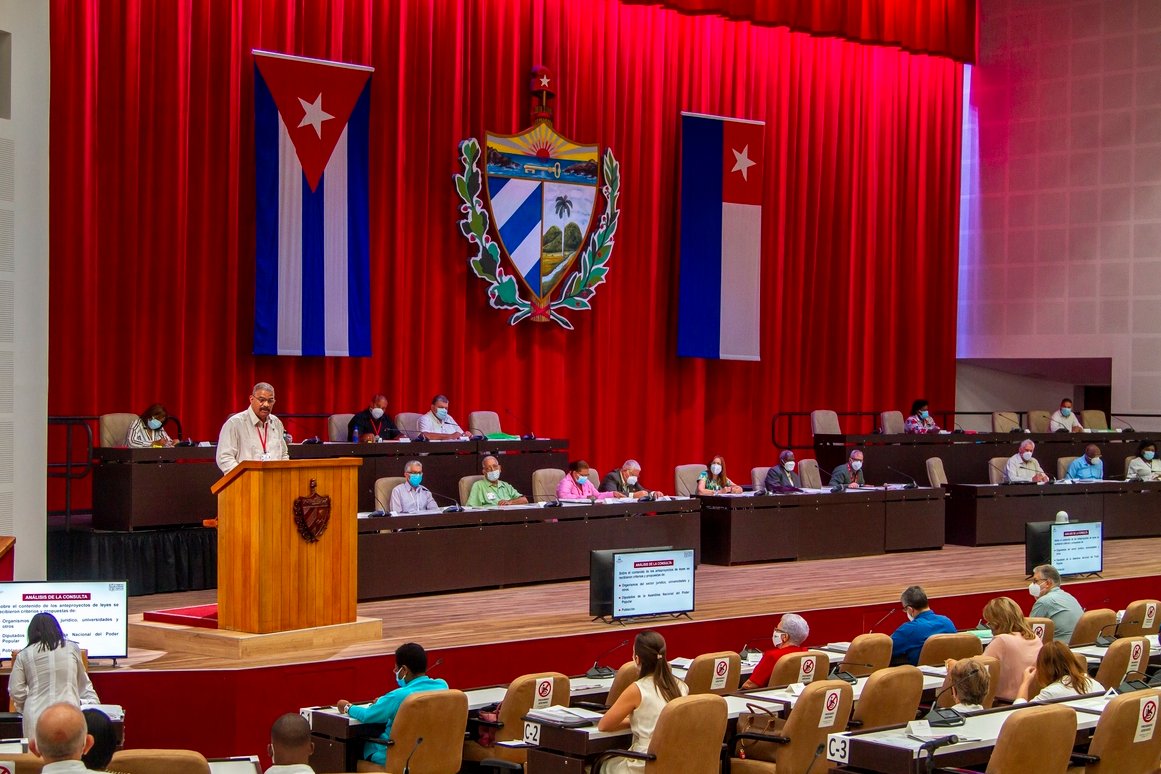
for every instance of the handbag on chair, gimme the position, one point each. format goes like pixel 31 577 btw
pixel 758 720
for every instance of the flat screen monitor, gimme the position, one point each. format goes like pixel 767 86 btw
pixel 653 582
pixel 93 614
pixel 601 578
pixel 1076 548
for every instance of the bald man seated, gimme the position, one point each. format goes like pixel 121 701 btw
pixel 290 746
pixel 62 737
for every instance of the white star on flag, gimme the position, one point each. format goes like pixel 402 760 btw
pixel 315 115
pixel 544 81
pixel 742 162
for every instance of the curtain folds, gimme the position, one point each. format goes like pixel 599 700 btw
pixel 152 205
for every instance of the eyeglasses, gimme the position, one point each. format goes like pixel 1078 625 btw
pixel 264 401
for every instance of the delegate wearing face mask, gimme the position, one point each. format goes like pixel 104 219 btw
pixel 1022 466
pixel 1145 466
pixel 1055 603
pixel 412 496
pixel 372 423
pixel 782 475
pixel 625 480
pixel 850 473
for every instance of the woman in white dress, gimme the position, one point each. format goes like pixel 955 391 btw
pixel 1059 671
pixel 638 707
pixel 48 670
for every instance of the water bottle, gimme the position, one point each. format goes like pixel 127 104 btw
pixel 355 436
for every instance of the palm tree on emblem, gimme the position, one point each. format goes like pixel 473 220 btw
pixel 563 206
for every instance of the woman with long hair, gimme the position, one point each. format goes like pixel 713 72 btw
pixel 46 671
pixel 1013 643
pixel 1059 671
pixel 713 480
pixel 640 704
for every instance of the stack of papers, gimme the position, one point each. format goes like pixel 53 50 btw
pixel 566 716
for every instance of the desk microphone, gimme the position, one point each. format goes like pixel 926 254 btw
pixel 958 428
pixel 438 661
pixel 913 485
pixel 1103 642
pixel 886 615
pixel 1128 685
pixel 1004 476
pixel 829 478
pixel 455 507
pixel 528 436
pixel 597 671
pixel 407 765
pixel 839 674
pixel 1127 426
pixel 747 650
pixel 944 717
pixel 817 753
pixel 376 514
pixel 550 501
pixel 932 745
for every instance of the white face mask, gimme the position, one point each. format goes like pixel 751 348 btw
pixel 716 469
pixel 856 465
pixel 790 465
pixel 377 413
pixel 1034 589
pixel 910 616
pixel 1026 455
pixel 630 480
pixel 493 475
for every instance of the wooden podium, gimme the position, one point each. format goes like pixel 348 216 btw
pixel 270 577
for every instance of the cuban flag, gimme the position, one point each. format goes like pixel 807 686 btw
pixel 719 295
pixel 312 278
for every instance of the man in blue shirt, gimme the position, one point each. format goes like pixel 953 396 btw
pixel 411 674
pixel 908 639
pixel 1090 467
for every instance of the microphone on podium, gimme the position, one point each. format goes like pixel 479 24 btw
pixel 455 507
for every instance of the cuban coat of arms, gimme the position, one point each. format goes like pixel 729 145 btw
pixel 540 190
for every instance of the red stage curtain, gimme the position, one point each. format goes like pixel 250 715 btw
pixel 152 198
pixel 941 27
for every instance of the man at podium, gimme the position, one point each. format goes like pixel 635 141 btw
pixel 253 434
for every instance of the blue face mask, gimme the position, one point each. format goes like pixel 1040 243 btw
pixel 441 414
pixel 923 415
pixel 1149 456
pixel 154 424
pixel 415 479
pixel 1065 411
pixel 400 680
pixel 582 480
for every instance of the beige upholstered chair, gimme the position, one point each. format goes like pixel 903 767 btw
pixel 159 762
pixel 337 427
pixel 1062 464
pixel 808 471
pixel 517 703
pixel 1044 628
pixel 1147 614
pixel 990 663
pixel 873 648
pixel 1038 420
pixel 26 763
pixel 824 422
pixel 996 470
pixel 686 740
pixel 703 670
pixel 439 718
pixel 807 667
pixel 935 473
pixel 1116 663
pixel 1090 624
pixel 1038 739
pixel 758 476
pixel 383 488
pixel 890 697
pixel 891 422
pixel 408 423
pixel 626 676
pixel 803 732
pixel 1005 421
pixel 940 647
pixel 685 479
pixel 544 482
pixel 466 487
pixel 484 423
pixel 1094 419
pixel 1114 744
pixel 114 427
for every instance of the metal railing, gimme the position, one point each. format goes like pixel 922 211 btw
pixel 799 435
pixel 71 469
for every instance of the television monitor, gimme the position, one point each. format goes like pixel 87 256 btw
pixel 1075 548
pixel 601 578
pixel 93 614
pixel 653 582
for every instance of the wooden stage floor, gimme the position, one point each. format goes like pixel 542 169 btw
pixel 561 609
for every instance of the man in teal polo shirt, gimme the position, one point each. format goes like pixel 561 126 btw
pixel 492 492
pixel 411 674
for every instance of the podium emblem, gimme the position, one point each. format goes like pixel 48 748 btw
pixel 312 514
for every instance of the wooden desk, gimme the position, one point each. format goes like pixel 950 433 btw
pixel 857 522
pixel 149 488
pixel 986 514
pixel 405 555
pixel 965 457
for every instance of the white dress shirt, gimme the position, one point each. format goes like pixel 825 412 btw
pixel 242 439
pixel 290 768
pixel 1019 470
pixel 41 678
pixel 406 498
pixel 70 766
pixel 1060 422
pixel 429 423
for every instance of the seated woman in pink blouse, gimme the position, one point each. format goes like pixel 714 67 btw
pixel 577 486
pixel 1014 644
